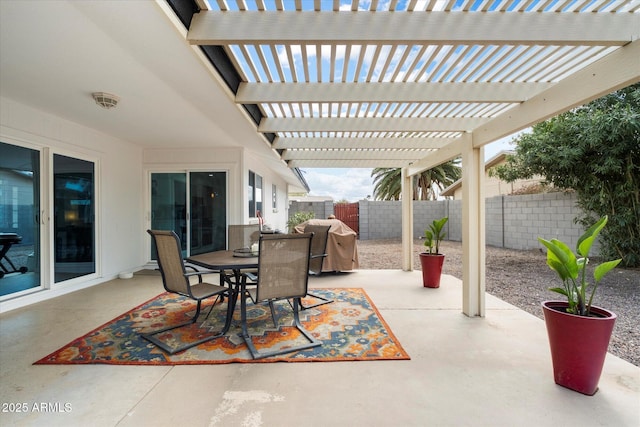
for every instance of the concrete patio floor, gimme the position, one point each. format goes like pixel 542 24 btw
pixel 492 371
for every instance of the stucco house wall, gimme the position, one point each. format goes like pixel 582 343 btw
pixel 123 190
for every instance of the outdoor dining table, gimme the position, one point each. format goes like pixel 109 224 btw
pixel 226 261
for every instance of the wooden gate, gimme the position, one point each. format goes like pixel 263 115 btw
pixel 349 214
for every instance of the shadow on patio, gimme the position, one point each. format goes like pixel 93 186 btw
pixel 463 371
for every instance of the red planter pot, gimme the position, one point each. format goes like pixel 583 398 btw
pixel 578 345
pixel 431 269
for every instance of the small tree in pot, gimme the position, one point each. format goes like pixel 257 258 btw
pixel 432 260
pixel 579 332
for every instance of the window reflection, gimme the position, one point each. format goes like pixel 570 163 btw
pixel 73 217
pixel 19 219
pixel 255 194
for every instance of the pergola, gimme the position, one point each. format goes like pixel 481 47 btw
pixel 412 84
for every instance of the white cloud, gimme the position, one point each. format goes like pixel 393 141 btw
pixel 353 184
pixel 340 184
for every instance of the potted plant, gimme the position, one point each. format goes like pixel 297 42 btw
pixel 432 260
pixel 579 332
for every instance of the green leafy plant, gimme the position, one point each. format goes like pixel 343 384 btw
pixel 299 218
pixel 592 150
pixel 434 234
pixel 572 268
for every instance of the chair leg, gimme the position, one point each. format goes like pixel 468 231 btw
pixel 230 308
pixel 256 354
pixel 219 297
pixel 323 299
pixel 151 336
pixel 231 305
pixel 221 282
pixel 273 314
pixel 296 319
pixel 243 321
pixel 195 317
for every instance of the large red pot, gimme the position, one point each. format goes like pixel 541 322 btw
pixel 431 269
pixel 578 345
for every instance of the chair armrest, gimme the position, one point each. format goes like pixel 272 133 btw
pixel 197 270
pixel 251 276
pixel 199 273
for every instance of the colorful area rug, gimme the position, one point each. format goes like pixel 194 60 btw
pixel 351 329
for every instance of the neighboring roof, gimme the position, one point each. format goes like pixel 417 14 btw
pixel 495 160
pixel 295 198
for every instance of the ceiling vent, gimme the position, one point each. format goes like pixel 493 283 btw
pixel 105 100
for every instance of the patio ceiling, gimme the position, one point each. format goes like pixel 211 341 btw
pixel 387 83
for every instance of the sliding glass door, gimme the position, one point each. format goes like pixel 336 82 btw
pixel 194 205
pixel 208 207
pixel 19 219
pixel 169 206
pixel 74 225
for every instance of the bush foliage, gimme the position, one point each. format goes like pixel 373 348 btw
pixel 595 151
pixel 299 218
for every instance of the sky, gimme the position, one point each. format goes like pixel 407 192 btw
pixel 353 184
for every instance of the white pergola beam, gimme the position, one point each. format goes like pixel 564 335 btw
pixel 615 71
pixel 435 27
pixel 404 155
pixel 465 92
pixel 361 142
pixel 341 163
pixel 371 124
pixel 435 158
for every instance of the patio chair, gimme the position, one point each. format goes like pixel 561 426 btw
pixel 318 247
pixel 317 256
pixel 176 279
pixel 241 236
pixel 282 275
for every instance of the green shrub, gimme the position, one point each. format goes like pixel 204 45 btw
pixel 299 218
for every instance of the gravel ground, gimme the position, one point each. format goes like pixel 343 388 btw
pixel 521 278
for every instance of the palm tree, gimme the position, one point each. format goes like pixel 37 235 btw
pixel 426 186
pixel 387 183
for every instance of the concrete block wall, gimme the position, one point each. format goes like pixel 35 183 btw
pixel 363 218
pixel 513 222
pixel 384 220
pixel 548 215
pixel 424 212
pixel 454 212
pixel 320 209
pixel 494 221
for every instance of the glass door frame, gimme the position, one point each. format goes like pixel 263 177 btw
pixel 149 171
pixel 97 243
pixel 40 218
pixel 45 216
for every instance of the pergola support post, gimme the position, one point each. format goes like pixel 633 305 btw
pixel 407 220
pixel 473 230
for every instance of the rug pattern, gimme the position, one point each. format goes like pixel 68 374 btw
pixel 351 329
